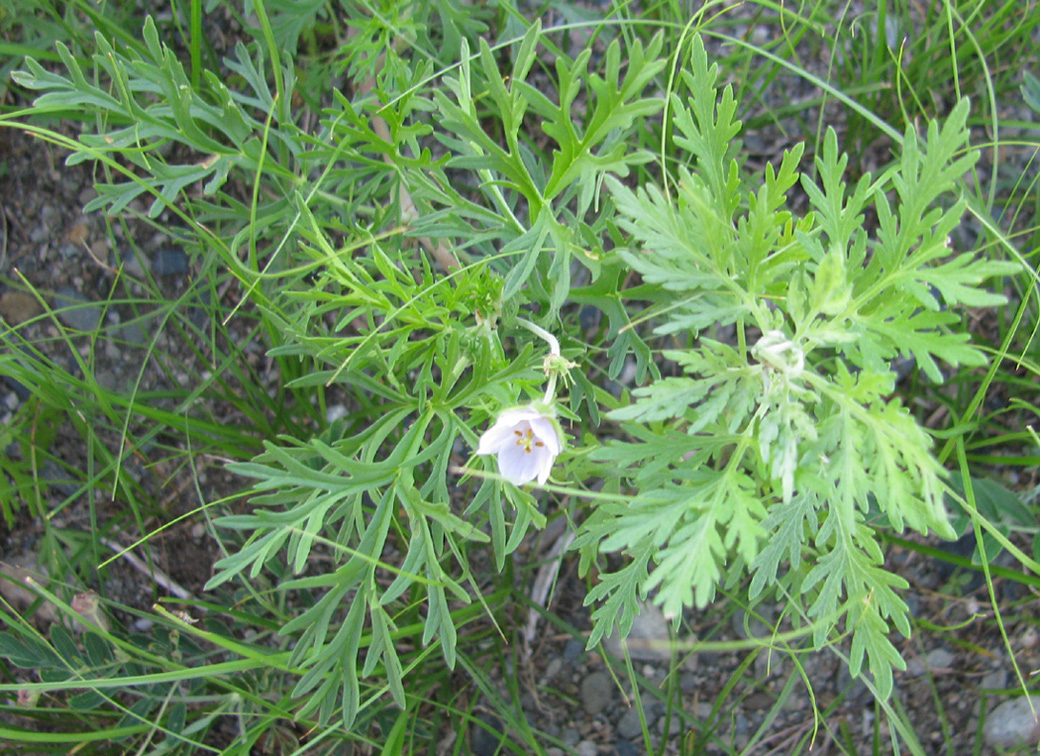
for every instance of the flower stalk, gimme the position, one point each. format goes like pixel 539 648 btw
pixel 554 364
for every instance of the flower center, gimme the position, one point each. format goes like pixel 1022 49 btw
pixel 527 440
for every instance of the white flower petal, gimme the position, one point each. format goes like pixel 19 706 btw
pixel 546 432
pixel 518 465
pixel 526 442
pixel 498 436
pixel 517 415
pixel 545 462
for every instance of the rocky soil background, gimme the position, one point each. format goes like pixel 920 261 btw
pixel 60 271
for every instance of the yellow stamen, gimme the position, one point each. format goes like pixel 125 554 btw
pixel 526 439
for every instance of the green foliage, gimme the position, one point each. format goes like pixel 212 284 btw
pixel 788 447
pixel 918 63
pixel 153 104
pixel 1031 90
pixel 584 153
pixel 28 435
pixel 376 196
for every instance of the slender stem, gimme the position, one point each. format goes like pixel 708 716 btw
pixel 554 351
pixel 550 389
pixel 554 345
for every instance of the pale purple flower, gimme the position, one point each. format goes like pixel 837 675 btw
pixel 527 443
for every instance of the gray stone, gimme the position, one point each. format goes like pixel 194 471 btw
pixel 995 680
pixel 484 742
pixel 570 737
pixel 939 659
pixel 758 628
pixel 199 311
pixel 59 478
pixel 913 603
pixel 674 726
pixel 573 650
pixel 18 306
pixel 597 691
pixel 108 380
pixel 624 748
pixel 133 264
pixel 629 725
pixel 856 689
pixel 586 748
pixel 131 333
pixel 741 730
pixel 20 389
pixel 169 261
pixel 648 639
pixel 1013 724
pixel 915 667
pixel 75 311
pixel 769 664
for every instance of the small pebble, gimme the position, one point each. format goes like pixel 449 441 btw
pixel 995 680
pixel 108 380
pixel 913 603
pixel 648 640
pixel 334 412
pixel 169 261
pixel 75 311
pixel 758 628
pixel 586 748
pixel 597 691
pixel 573 650
pixel 674 726
pixel 132 334
pixel 100 250
pixel 741 730
pixel 624 748
pixel 199 311
pixel 628 372
pixel 78 234
pixel 939 659
pixel 17 307
pixel 133 265
pixel 1013 724
pixel 629 725
pixel 484 742
pixel 769 664
pixel 15 570
pixel 857 689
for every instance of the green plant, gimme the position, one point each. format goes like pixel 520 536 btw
pixel 391 243
pixel 786 447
